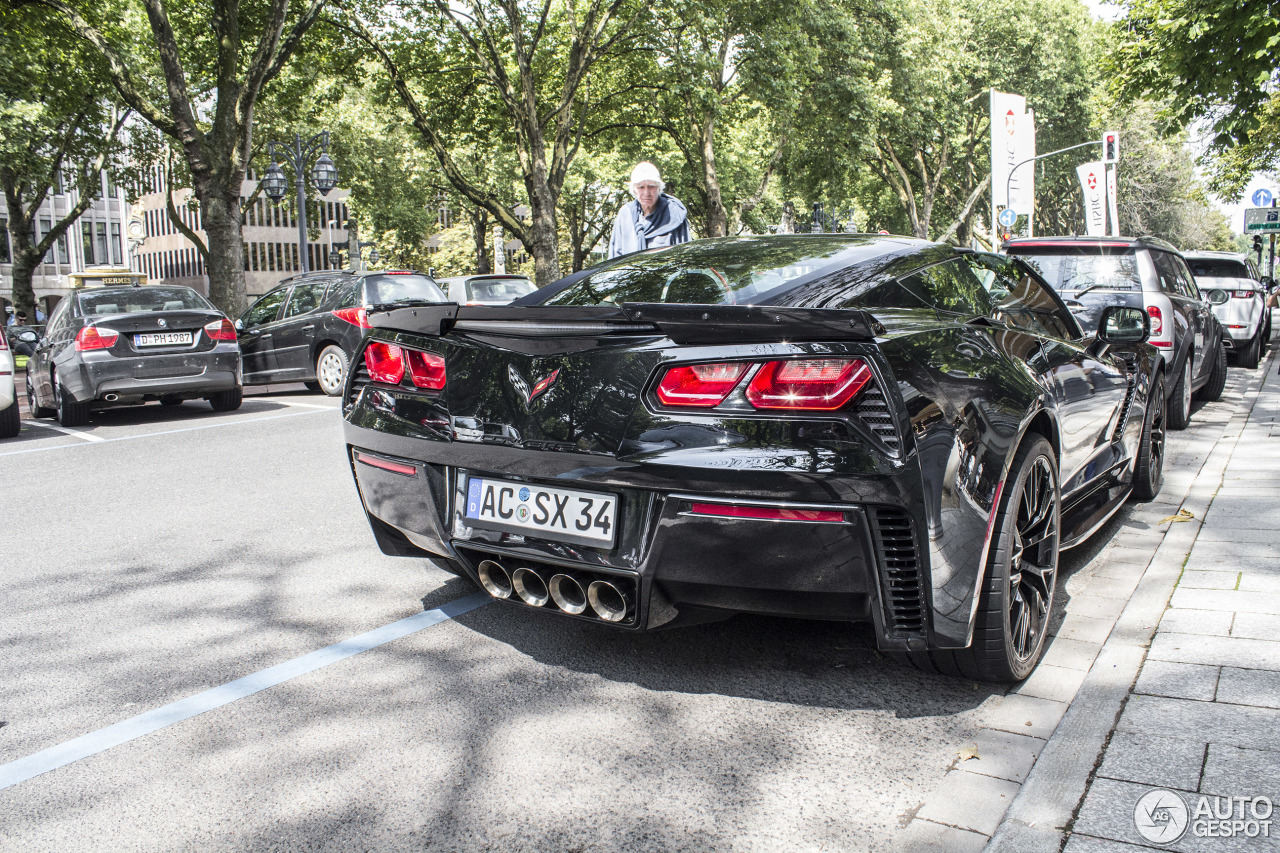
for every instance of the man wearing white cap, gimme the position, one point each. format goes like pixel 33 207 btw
pixel 654 220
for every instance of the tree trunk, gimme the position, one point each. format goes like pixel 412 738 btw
pixel 543 239
pixel 221 219
pixel 717 218
pixel 480 229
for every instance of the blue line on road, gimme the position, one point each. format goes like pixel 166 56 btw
pixel 236 422
pixel 184 709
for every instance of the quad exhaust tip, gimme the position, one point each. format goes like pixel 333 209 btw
pixel 568 594
pixel 495 580
pixel 609 602
pixel 530 586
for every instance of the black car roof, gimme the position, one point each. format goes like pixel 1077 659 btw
pixel 1100 242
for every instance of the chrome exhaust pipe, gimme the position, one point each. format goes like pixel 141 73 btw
pixel 530 586
pixel 568 594
pixel 495 580
pixel 111 398
pixel 608 601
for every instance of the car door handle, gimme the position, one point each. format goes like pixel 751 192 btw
pixel 308 327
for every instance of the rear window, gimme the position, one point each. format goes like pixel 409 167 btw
pixel 1217 268
pixel 137 299
pixel 498 289
pixel 385 289
pixel 711 272
pixel 1070 270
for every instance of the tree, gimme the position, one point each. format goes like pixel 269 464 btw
pixel 532 66
pixel 199 87
pixel 58 129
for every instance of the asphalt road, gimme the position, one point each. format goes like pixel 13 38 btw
pixel 162 552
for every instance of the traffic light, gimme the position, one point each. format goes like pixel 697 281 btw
pixel 1110 147
pixel 1257 246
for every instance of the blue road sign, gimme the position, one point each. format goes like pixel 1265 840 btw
pixel 1008 216
pixel 1261 198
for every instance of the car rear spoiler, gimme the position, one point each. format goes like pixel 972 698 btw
pixel 684 324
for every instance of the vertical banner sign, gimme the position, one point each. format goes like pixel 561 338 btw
pixel 1022 192
pixel 499 251
pixel 1113 207
pixel 1093 182
pixel 1008 117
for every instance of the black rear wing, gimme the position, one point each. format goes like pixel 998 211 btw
pixel 684 324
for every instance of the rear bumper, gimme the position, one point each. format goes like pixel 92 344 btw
pixel 680 567
pixel 132 379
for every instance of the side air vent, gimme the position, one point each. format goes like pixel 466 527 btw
pixel 358 381
pixel 874 412
pixel 900 567
pixel 1124 411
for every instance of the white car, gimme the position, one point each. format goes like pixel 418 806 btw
pixel 10 421
pixel 492 289
pixel 1234 288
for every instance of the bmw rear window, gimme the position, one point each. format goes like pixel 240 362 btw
pixel 135 299
pixel 393 287
pixel 1072 269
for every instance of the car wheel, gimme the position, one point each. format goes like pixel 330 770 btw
pixel 37 411
pixel 1180 400
pixel 1252 354
pixel 10 419
pixel 69 412
pixel 331 370
pixel 171 400
pixel 1017 598
pixel 1148 469
pixel 227 401
pixel 1212 390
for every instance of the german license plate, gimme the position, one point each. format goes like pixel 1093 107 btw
pixel 162 339
pixel 587 518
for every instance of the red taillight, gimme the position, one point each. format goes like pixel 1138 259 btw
pixel 355 316
pixel 4 342
pixel 816 384
pixel 1242 294
pixel 699 385
pixel 768 513
pixel 221 330
pixel 1157 319
pixel 387 464
pixel 426 369
pixel 385 363
pixel 95 337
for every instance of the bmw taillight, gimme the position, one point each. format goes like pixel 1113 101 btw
pixel 221 330
pixel 699 385
pixel 357 316
pixel 816 384
pixel 385 363
pixel 426 369
pixel 95 337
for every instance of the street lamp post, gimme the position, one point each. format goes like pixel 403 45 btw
pixel 323 174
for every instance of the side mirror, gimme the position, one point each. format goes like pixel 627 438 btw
pixel 1122 324
pixel 239 325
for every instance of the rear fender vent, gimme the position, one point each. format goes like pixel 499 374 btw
pixel 359 379
pixel 873 410
pixel 1124 410
pixel 900 569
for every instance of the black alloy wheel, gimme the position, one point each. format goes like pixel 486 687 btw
pixel 36 410
pixel 1148 469
pixel 1017 597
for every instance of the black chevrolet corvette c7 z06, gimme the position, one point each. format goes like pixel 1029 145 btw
pixel 843 427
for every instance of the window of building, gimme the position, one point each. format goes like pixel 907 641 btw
pixel 4 242
pixel 86 239
pixel 293 256
pixel 100 245
pixel 117 247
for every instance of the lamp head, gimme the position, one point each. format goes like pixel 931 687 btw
pixel 274 183
pixel 325 174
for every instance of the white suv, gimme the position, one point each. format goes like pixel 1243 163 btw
pixel 10 421
pixel 1234 289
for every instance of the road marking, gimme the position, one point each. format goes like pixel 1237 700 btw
pixel 66 431
pixel 334 407
pixel 184 709
pixel 236 422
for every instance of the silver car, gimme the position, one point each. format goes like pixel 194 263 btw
pixel 1234 288
pixel 495 289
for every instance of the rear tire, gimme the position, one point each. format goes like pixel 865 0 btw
pixel 69 412
pixel 10 420
pixel 1252 354
pixel 1212 390
pixel 1180 399
pixel 331 370
pixel 1148 469
pixel 227 401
